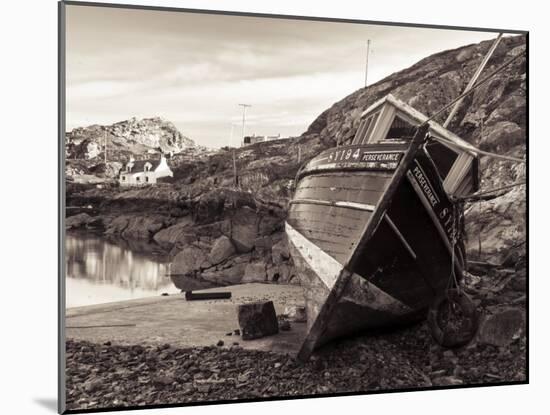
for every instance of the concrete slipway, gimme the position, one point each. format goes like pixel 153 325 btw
pixel 173 320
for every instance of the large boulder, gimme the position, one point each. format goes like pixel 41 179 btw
pixel 117 225
pixel 244 229
pixel 503 327
pixel 143 227
pixel 257 320
pixel 254 272
pixel 135 227
pixel 498 226
pixel 181 232
pixel 221 250
pixel 502 135
pixel 189 261
pixel 231 275
pixel 512 108
pixel 77 221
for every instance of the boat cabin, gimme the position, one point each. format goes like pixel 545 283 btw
pixel 390 120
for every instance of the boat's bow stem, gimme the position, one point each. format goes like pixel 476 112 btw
pixel 344 277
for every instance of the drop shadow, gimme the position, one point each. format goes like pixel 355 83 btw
pixel 48 403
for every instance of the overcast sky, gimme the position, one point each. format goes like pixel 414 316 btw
pixel 193 69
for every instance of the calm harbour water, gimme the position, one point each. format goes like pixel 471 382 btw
pixel 99 271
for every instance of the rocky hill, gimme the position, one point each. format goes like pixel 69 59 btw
pixel 125 138
pixel 492 118
pixel 227 235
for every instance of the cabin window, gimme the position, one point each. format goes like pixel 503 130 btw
pixel 400 130
pixel 442 156
pixel 123 178
pixel 146 178
pixel 137 179
pixel 365 129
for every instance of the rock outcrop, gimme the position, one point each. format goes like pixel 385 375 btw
pixel 125 138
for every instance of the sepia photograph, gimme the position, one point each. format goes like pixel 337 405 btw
pixel 258 207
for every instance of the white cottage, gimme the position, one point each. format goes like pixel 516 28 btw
pixel 144 172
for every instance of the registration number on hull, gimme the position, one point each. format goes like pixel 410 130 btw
pixel 370 159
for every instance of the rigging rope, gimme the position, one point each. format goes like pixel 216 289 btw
pixel 477 150
pixel 477 195
pixel 460 97
pixel 465 93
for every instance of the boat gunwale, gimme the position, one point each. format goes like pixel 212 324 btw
pixel 347 165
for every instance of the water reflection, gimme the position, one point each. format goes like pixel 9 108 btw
pixel 99 271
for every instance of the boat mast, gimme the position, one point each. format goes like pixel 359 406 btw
pixel 367 63
pixel 474 79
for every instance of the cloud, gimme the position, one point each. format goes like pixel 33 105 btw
pixel 194 69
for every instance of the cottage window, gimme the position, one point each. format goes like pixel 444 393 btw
pixel 123 178
pixel 137 179
pixel 146 178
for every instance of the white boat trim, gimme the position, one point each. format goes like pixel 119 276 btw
pixel 324 266
pixel 328 270
pixel 350 205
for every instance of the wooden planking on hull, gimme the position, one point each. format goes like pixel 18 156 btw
pixel 360 187
pixel 322 318
pixel 369 305
pixel 334 229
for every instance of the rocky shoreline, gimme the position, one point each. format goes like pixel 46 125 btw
pixel 225 236
pixel 109 375
pixel 119 375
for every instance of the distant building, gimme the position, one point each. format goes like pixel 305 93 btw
pixel 253 139
pixel 144 172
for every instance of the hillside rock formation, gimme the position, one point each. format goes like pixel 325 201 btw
pixel 125 138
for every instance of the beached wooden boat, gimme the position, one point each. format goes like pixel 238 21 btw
pixel 373 226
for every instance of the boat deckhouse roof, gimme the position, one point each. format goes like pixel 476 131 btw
pixel 391 120
pixel 395 107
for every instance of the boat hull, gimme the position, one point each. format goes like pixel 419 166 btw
pixel 405 261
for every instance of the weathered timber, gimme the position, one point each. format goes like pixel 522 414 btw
pixel 370 227
pixel 191 296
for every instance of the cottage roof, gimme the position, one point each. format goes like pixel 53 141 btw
pixel 139 165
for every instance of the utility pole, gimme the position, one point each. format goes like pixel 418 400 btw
pixel 367 62
pixel 245 106
pixel 105 152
